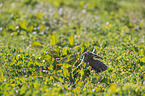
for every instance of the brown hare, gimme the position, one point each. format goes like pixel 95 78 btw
pixel 95 64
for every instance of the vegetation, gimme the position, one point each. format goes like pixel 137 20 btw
pixel 41 43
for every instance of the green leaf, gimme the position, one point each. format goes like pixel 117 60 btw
pixel 112 88
pixel 1 77
pixel 57 3
pixel 11 27
pixel 71 40
pixel 1 53
pixel 55 15
pixel 82 73
pixel 36 43
pixel 82 49
pixel 23 90
pixel 65 70
pixel 143 51
pixel 64 51
pixel 48 57
pixel 30 29
pixel 23 25
pixel 60 79
pixel 53 40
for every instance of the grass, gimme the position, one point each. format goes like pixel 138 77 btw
pixel 53 34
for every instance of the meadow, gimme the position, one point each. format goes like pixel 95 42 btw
pixel 42 41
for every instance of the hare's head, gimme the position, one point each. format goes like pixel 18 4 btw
pixel 89 56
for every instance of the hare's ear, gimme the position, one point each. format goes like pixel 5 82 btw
pixel 97 56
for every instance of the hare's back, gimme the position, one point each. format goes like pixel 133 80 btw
pixel 98 66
